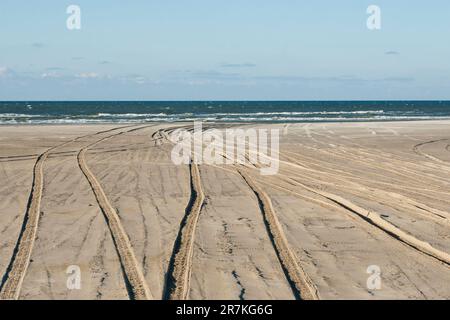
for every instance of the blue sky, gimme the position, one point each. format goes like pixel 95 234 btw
pixel 224 50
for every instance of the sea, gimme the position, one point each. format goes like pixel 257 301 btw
pixel 85 112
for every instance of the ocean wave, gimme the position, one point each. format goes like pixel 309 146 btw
pixel 337 119
pixel 187 114
pixel 293 113
pixel 21 115
pixel 92 120
pixel 131 115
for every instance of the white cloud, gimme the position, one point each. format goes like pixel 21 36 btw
pixel 88 75
pixel 4 71
pixel 50 75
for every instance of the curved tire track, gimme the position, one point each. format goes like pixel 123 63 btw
pixel 417 150
pixel 376 220
pixel 180 266
pixel 12 280
pixel 135 279
pixel 302 286
pixel 424 210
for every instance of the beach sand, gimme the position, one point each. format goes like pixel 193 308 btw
pixel 349 198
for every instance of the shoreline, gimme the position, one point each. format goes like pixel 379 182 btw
pixel 226 122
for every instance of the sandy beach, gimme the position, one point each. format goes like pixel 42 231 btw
pixel 348 197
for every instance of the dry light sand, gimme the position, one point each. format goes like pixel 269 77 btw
pixel 110 200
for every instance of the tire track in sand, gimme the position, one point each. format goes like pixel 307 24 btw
pixel 13 278
pixel 180 266
pixel 376 220
pixel 15 273
pixel 417 150
pixel 135 280
pixel 301 285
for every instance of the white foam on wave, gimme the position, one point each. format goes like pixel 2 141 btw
pixel 131 115
pixel 293 113
pixel 226 119
pixel 20 115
